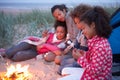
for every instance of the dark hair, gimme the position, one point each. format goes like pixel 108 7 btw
pixel 62 24
pixel 79 10
pixel 60 7
pixel 101 19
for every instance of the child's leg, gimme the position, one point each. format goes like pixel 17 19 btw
pixel 20 47
pixel 58 59
pixel 49 56
pixel 75 64
pixel 62 67
pixel 69 62
pixel 67 56
pixel 24 55
pixel 57 52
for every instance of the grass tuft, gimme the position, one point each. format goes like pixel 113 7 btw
pixel 15 27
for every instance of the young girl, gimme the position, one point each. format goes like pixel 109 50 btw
pixel 81 40
pixel 25 50
pixel 96 63
pixel 55 42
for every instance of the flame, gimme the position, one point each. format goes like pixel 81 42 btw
pixel 17 73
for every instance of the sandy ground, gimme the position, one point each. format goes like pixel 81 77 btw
pixel 39 69
pixel 42 70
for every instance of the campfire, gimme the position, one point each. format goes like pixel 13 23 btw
pixel 16 72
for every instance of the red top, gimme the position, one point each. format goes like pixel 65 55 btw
pixel 98 60
pixel 50 45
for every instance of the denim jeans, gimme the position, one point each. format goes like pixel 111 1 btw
pixel 68 60
pixel 22 51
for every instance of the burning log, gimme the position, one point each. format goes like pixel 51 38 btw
pixel 16 73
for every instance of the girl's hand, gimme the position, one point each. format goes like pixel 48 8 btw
pixel 39 47
pixel 82 40
pixel 66 50
pixel 76 53
pixel 45 33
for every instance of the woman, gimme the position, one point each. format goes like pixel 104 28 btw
pixel 60 13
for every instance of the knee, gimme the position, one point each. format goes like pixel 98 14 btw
pixel 16 57
pixel 20 56
pixel 8 53
pixel 49 56
pixel 58 60
pixel 57 52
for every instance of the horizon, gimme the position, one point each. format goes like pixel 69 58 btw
pixel 28 4
pixel 56 1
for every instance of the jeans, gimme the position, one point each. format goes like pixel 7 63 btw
pixel 21 52
pixel 68 60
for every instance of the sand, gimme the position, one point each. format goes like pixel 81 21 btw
pixel 39 69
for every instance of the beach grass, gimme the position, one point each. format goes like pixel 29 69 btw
pixel 17 26
pixel 14 27
pixel 6 29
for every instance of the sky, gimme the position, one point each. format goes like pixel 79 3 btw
pixel 56 1
pixel 38 1
pixel 67 2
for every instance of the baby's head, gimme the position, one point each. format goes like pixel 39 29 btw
pixel 60 30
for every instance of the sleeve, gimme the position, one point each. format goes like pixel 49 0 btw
pixel 71 27
pixel 30 40
pixel 95 62
pixel 61 45
pixel 33 38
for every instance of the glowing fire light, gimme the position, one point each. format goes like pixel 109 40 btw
pixel 17 73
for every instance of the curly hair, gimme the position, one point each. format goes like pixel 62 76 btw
pixel 79 10
pixel 101 19
pixel 62 24
pixel 61 7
